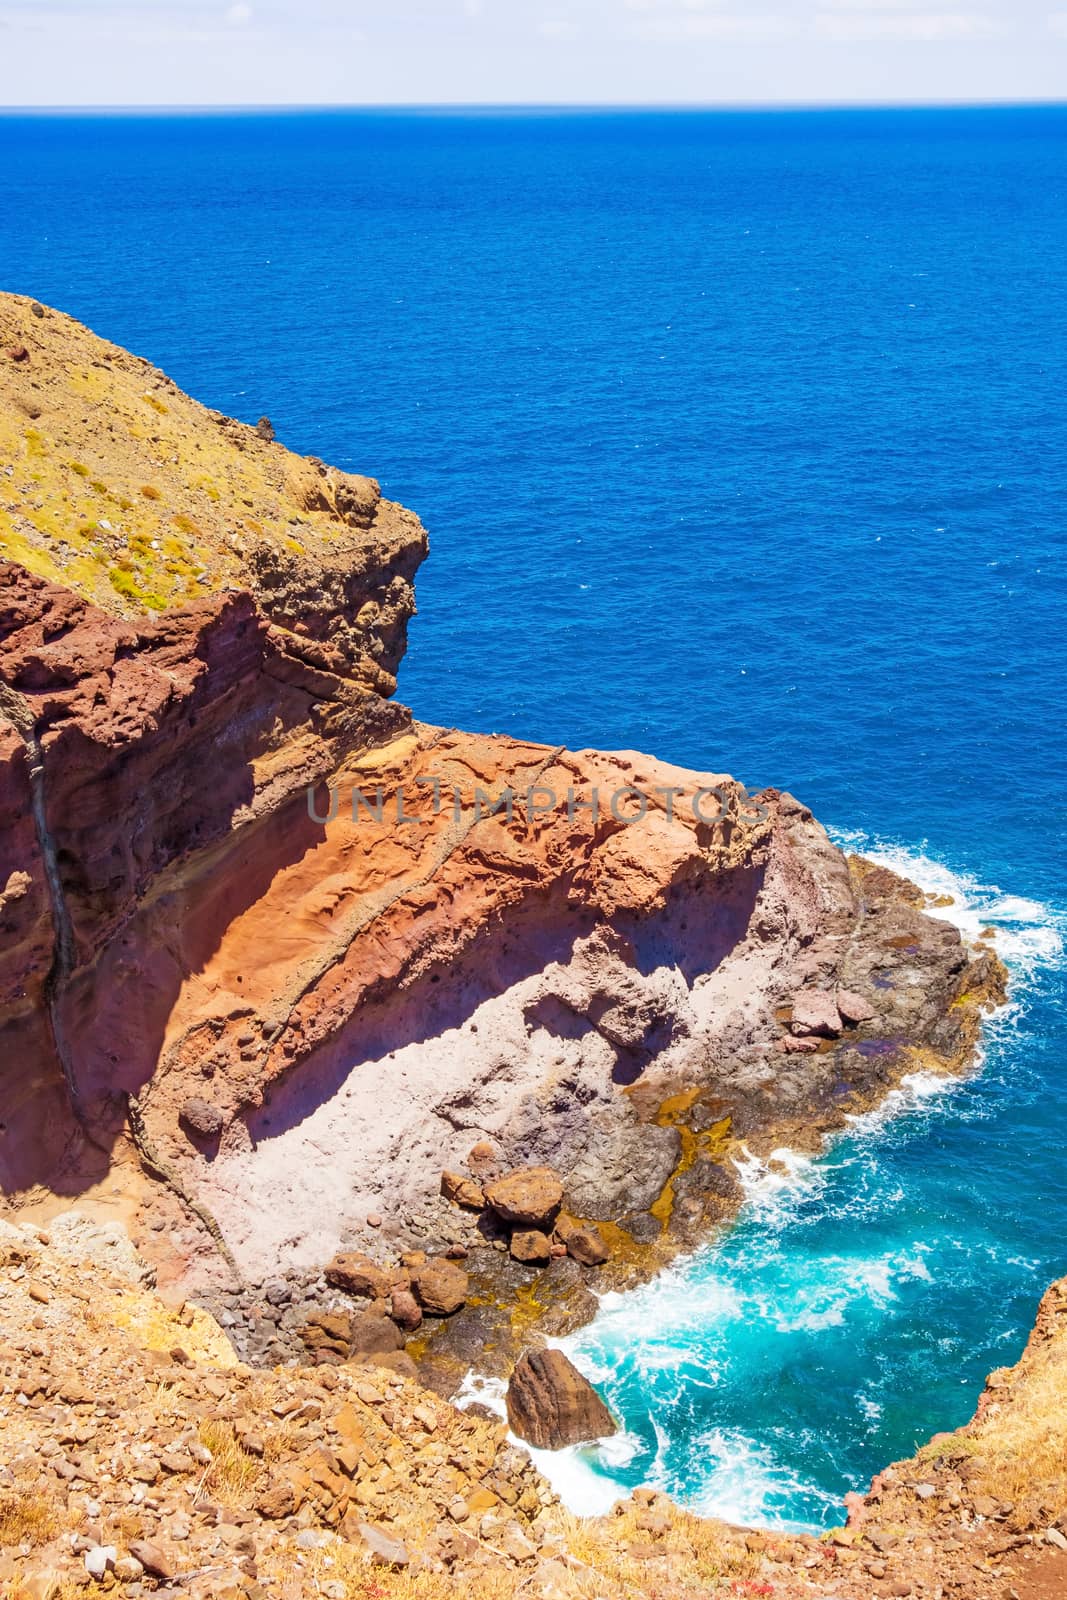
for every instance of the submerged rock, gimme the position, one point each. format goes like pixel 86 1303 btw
pixel 551 1405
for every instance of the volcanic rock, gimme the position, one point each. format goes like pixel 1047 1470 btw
pixel 584 1242
pixel 854 1008
pixel 551 1405
pixel 440 1287
pixel 462 1191
pixel 531 1197
pixel 358 1275
pixel 815 1012
pixel 519 984
pixel 373 1332
pixel 405 1310
pixel 385 1550
pixel 154 1560
pixel 530 1246
pixel 201 1117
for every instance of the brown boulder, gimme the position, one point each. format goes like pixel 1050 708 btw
pixel 357 1274
pixel 200 1117
pixel 815 1012
pixel 155 1561
pixel 531 1197
pixel 585 1244
pixel 462 1191
pixel 404 1310
pixel 328 1334
pixel 391 1360
pixel 854 1008
pixel 528 1245
pixel 440 1286
pixel 374 1333
pixel 551 1405
pixel 277 1501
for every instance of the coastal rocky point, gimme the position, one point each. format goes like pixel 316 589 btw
pixel 343 1054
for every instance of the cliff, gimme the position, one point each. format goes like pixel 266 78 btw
pixel 194 625
pixel 289 1016
pixel 287 973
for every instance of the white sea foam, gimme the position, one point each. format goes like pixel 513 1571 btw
pixel 774 1186
pixel 1030 937
pixel 744 1483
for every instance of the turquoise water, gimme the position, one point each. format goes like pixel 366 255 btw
pixel 741 439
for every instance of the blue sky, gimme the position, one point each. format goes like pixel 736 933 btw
pixel 153 52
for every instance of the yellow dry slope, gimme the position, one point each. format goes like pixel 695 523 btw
pixel 117 484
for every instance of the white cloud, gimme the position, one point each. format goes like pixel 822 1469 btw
pixel 1057 23
pixel 239 14
pixel 671 5
pixel 925 26
pixel 727 26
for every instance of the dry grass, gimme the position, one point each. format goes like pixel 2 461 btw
pixel 1025 1442
pixel 702 1559
pixel 1020 1445
pixel 233 1473
pixel 68 1589
pixel 698 1552
pixel 26 1517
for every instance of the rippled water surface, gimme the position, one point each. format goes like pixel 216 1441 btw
pixel 741 439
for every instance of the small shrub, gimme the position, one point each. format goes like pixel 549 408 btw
pixel 79 468
pixel 123 584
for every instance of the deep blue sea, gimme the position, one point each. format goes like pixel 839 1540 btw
pixel 741 438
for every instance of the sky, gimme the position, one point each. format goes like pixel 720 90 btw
pixel 585 52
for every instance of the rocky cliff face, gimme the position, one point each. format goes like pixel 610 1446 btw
pixel 294 1014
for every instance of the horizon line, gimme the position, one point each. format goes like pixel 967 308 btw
pixel 517 107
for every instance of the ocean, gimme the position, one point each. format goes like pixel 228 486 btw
pixel 741 439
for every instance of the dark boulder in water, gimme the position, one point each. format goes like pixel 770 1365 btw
pixel 551 1405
